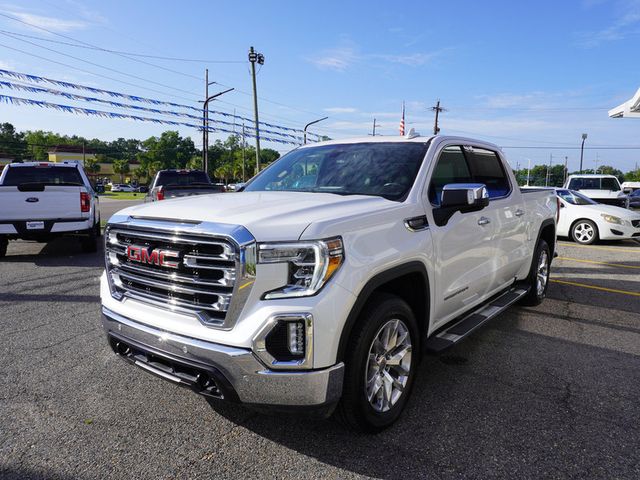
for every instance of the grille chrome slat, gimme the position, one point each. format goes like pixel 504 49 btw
pixel 226 281
pixel 211 262
pixel 227 250
pixel 169 286
pixel 174 304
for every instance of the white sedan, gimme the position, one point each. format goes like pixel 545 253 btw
pixel 586 221
pixel 121 187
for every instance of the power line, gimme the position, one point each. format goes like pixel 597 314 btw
pixel 95 46
pixel 114 115
pixel 134 98
pixel 93 73
pixel 101 49
pixel 102 66
pixel 134 59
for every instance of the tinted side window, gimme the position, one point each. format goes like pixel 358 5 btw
pixel 610 184
pixel 451 168
pixel 486 167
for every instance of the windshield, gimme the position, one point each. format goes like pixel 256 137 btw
pixel 574 198
pixel 382 169
pixel 586 183
pixel 42 174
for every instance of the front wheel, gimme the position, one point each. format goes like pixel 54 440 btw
pixel 538 278
pixel 381 364
pixel 584 232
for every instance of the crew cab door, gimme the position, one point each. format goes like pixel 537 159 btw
pixel 465 249
pixel 506 211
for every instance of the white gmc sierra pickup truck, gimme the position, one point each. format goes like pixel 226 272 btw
pixel 322 282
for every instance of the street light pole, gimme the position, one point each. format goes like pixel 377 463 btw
pixel 253 58
pixel 584 137
pixel 205 126
pixel 311 123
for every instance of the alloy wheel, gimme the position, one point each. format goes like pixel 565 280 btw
pixel 542 273
pixel 584 232
pixel 389 365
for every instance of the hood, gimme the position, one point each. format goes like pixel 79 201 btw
pixel 269 216
pixel 613 210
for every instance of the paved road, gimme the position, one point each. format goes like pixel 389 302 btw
pixel 109 206
pixel 540 392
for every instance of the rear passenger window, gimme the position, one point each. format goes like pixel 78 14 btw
pixel 486 167
pixel 451 168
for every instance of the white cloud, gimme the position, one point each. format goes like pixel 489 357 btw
pixel 338 110
pixel 7 65
pixel 338 59
pixel 39 22
pixel 625 24
pixel 411 60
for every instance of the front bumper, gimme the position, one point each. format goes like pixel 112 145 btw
pixel 619 232
pixel 218 370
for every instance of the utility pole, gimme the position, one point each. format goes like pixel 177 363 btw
pixel 584 137
pixel 253 58
pixel 546 181
pixel 566 170
pixel 437 109
pixel 84 156
pixel 243 154
pixel 205 120
pixel 373 132
pixel 528 170
pixel 308 125
pixel 205 123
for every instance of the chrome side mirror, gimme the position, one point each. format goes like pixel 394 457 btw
pixel 460 197
pixel 464 195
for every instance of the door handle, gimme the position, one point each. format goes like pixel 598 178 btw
pixel 519 212
pixel 483 221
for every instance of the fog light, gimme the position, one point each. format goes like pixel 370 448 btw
pixel 286 341
pixel 296 338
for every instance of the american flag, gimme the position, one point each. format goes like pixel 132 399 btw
pixel 402 122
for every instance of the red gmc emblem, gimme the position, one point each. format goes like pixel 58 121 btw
pixel 158 256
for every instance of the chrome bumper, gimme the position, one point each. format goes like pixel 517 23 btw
pixel 250 380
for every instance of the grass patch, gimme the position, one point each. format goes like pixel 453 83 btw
pixel 123 195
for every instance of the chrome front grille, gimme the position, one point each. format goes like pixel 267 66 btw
pixel 197 268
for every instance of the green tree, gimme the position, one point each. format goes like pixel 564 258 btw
pixel 633 175
pixel 12 143
pixel 267 156
pixel 92 165
pixel 121 167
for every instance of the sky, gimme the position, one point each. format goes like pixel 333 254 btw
pixel 530 77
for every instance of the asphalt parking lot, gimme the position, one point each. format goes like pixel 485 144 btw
pixel 545 392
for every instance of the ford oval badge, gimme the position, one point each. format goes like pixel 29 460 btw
pixel 32 199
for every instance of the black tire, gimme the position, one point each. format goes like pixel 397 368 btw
pixel 537 295
pixel 354 408
pixel 89 243
pixel 584 232
pixel 4 243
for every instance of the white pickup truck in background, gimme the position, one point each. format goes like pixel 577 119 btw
pixel 600 188
pixel 40 201
pixel 322 282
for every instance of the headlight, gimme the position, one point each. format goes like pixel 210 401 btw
pixel 612 219
pixel 311 265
